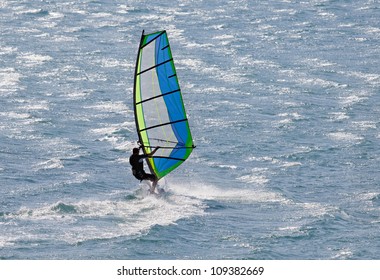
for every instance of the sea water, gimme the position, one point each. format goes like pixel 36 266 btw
pixel 283 102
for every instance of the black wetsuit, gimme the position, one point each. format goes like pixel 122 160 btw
pixel 137 162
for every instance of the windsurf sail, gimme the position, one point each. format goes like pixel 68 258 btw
pixel 159 110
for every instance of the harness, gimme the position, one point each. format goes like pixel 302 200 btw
pixel 139 174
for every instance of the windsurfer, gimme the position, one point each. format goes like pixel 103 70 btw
pixel 136 160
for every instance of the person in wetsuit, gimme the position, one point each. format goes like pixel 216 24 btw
pixel 137 162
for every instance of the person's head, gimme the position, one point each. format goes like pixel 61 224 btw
pixel 135 151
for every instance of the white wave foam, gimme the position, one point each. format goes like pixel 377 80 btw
pixel 112 62
pixel 91 219
pixel 291 164
pixel 288 118
pixel 224 36
pixel 240 195
pixel 317 62
pixel 364 125
pixel 15 115
pixel 266 64
pixel 257 176
pixel 34 105
pixel 257 194
pixel 74 95
pixel 352 97
pixel 31 59
pixel 210 90
pixel 9 80
pixel 111 134
pixel 227 166
pixel 277 161
pixel 342 136
pixel 219 123
pixel 109 130
pixel 338 116
pixel 370 78
pixel 54 163
pixel 198 65
pixel 55 15
pixel 265 158
pixel 7 241
pixel 116 107
pixel 7 50
pixel 344 253
pixel 111 218
pixel 316 209
pixel 63 38
pixel 290 228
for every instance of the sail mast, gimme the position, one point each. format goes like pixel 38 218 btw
pixel 134 87
pixel 134 97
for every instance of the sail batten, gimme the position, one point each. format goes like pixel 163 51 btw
pixel 159 110
pixel 155 38
pixel 163 124
pixel 155 66
pixel 157 96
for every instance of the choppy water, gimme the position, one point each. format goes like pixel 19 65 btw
pixel 283 99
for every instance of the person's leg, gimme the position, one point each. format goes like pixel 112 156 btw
pixel 151 178
pixel 154 181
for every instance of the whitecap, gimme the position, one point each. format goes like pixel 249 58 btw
pixel 291 164
pixel 9 80
pixel 54 163
pixel 74 95
pixel 224 37
pixel 15 115
pixel 364 125
pixel 344 253
pixel 7 241
pixel 31 59
pixel 112 62
pixel 288 118
pixel 370 78
pixel 342 136
pixel 31 11
pixel 63 38
pixel 108 130
pixel 264 158
pixel 290 228
pixel 339 116
pixel 353 99
pixel 317 62
pixel 210 192
pixel 254 178
pixel 227 166
pixel 116 107
pixel 7 50
pixel 112 218
pixel 35 105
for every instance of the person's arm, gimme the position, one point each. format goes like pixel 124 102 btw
pixel 153 152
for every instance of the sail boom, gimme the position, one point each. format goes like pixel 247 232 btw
pixel 172 158
pixel 172 148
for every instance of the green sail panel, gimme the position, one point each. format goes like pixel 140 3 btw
pixel 159 110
